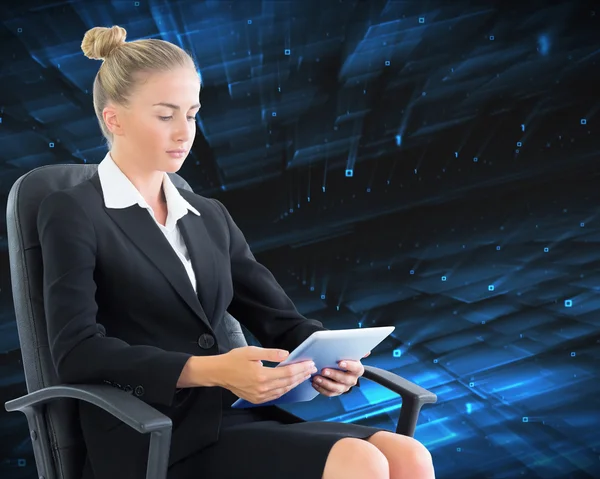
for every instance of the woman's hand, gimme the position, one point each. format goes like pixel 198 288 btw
pixel 242 372
pixel 333 382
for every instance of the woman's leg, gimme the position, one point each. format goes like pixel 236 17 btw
pixel 407 457
pixel 351 458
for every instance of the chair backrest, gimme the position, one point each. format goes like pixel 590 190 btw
pixel 65 438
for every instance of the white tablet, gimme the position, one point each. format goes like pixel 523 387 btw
pixel 326 349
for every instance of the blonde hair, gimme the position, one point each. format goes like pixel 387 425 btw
pixel 122 60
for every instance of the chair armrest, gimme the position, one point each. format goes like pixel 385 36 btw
pixel 129 409
pixel 413 397
pixel 132 411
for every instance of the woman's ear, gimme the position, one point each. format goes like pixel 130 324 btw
pixel 112 120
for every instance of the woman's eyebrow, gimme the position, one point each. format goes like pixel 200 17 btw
pixel 175 107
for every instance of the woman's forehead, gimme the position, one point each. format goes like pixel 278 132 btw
pixel 175 87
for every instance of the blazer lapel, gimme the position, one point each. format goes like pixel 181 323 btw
pixel 137 224
pixel 198 244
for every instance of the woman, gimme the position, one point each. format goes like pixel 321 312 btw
pixel 138 276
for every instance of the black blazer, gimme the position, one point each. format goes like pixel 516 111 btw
pixel 121 310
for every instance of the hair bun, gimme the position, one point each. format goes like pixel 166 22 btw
pixel 98 42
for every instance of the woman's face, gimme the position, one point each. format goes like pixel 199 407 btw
pixel 158 121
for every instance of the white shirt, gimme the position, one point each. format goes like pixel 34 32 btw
pixel 119 192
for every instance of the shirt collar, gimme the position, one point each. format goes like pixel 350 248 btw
pixel 119 192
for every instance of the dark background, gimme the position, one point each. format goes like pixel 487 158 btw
pixel 431 165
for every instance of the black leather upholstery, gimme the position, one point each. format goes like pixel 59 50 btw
pixel 66 442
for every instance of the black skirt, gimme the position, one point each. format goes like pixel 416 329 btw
pixel 252 444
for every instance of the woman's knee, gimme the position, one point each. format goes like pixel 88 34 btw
pixel 420 457
pixel 356 458
pixel 406 456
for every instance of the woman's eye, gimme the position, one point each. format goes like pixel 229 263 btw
pixel 167 118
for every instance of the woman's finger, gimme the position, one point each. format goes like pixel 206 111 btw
pixel 336 387
pixel 343 377
pixel 324 389
pixel 355 367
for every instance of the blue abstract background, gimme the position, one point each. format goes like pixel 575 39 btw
pixel 431 165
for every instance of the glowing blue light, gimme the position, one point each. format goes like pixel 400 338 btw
pixel 544 45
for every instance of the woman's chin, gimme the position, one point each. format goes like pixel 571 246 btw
pixel 173 166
